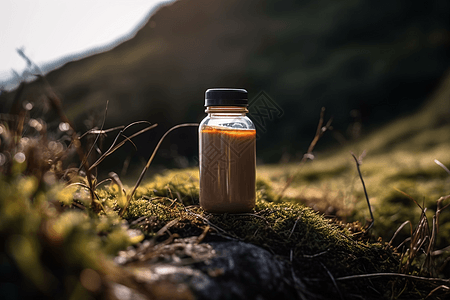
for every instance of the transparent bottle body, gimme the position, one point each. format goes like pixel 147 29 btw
pixel 227 161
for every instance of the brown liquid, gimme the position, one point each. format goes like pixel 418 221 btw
pixel 227 169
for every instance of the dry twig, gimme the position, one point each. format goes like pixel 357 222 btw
pixel 321 129
pixel 443 287
pixel 372 275
pixel 333 280
pixel 130 196
pixel 114 147
pixel 442 166
pixel 96 138
pixel 358 163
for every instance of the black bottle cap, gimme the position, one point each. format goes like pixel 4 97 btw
pixel 226 97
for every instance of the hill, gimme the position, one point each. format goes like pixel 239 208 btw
pixel 376 60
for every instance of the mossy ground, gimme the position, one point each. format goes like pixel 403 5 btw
pixel 58 244
pixel 333 187
pixel 321 247
pixel 317 246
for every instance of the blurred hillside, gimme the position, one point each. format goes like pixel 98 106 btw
pixel 367 62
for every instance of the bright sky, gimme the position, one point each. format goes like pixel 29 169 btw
pixel 51 29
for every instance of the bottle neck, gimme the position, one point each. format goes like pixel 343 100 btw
pixel 226 110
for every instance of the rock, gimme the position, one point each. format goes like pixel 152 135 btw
pixel 237 271
pixel 245 271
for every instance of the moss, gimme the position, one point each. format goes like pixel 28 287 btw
pixel 282 228
pixel 290 230
pixel 264 190
pixel 315 245
pixel 180 185
pixel 160 208
pixel 50 245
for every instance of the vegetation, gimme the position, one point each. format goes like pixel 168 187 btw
pixel 398 167
pixel 67 234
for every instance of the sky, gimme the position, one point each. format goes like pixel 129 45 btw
pixel 47 30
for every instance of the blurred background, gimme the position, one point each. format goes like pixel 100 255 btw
pixel 366 62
